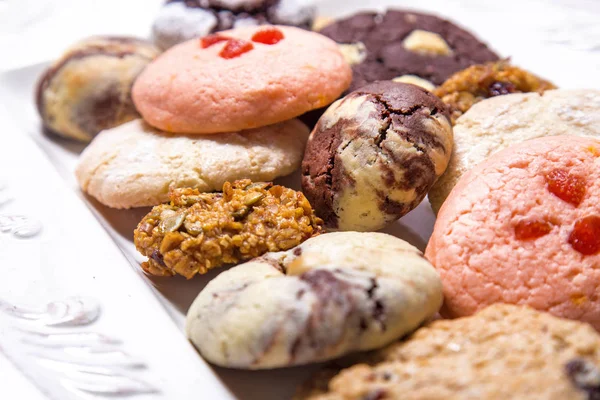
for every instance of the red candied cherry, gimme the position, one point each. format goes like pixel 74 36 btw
pixel 565 186
pixel 209 40
pixel 268 35
pixel 235 48
pixel 531 229
pixel 585 237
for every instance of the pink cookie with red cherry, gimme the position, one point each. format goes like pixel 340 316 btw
pixel 523 227
pixel 241 79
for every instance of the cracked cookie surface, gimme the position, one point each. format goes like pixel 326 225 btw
pixel 502 352
pixel 135 165
pixel 200 231
pixel 334 294
pixel 375 154
pixel 523 227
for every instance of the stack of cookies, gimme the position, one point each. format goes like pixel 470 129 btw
pixel 402 105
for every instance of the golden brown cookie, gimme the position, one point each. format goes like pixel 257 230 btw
pixel 503 352
pixel 200 231
pixel 479 82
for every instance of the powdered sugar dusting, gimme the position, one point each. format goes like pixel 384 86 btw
pixel 176 23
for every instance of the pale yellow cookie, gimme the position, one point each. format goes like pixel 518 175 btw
pixel 135 165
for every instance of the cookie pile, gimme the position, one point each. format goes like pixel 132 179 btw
pixel 405 106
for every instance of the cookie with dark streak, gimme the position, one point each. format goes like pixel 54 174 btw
pixel 502 352
pixel 88 89
pixel 374 155
pixel 400 43
pixel 333 295
pixel 181 20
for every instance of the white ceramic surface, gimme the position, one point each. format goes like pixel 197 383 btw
pixel 66 258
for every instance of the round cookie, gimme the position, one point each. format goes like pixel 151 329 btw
pixel 196 88
pixel 135 165
pixel 523 227
pixel 334 294
pixel 397 43
pixel 502 352
pixel 479 82
pixel 374 155
pixel 88 89
pixel 498 122
pixel 179 20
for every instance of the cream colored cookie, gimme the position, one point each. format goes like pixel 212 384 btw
pixel 135 165
pixel 503 352
pixel 498 122
pixel 334 294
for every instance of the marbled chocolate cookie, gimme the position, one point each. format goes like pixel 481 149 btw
pixel 181 20
pixel 374 155
pixel 88 89
pixel 503 352
pixel 334 294
pixel 398 43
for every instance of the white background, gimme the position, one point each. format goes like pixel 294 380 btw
pixel 32 31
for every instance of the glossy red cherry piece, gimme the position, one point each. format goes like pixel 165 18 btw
pixel 531 229
pixel 209 40
pixel 268 35
pixel 235 48
pixel 585 237
pixel 565 186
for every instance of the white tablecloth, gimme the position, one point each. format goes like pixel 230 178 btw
pixel 33 31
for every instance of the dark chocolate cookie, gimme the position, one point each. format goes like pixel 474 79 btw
pixel 88 89
pixel 374 155
pixel 181 20
pixel 398 43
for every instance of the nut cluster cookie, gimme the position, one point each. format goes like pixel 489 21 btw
pixel 88 89
pixel 241 79
pixel 480 82
pixel 334 294
pixel 374 155
pixel 135 165
pixel 496 123
pixel 502 352
pixel 200 231
pixel 523 227
pixel 398 43
pixel 182 20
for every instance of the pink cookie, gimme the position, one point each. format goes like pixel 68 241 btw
pixel 523 227
pixel 212 85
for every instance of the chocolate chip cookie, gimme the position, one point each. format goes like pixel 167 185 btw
pixel 181 20
pixel 88 89
pixel 397 43
pixel 374 155
pixel 503 352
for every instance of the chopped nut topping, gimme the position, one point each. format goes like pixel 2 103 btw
pixel 200 231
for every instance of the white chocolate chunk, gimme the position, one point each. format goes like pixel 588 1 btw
pixel 427 43
pixel 415 80
pixel 353 53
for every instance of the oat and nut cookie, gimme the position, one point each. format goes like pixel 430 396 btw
pixel 374 155
pixel 200 231
pixel 181 20
pixel 398 43
pixel 135 165
pixel 498 122
pixel 479 82
pixel 334 294
pixel 88 89
pixel 503 352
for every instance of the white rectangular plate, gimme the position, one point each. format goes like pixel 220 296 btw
pixel 142 350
